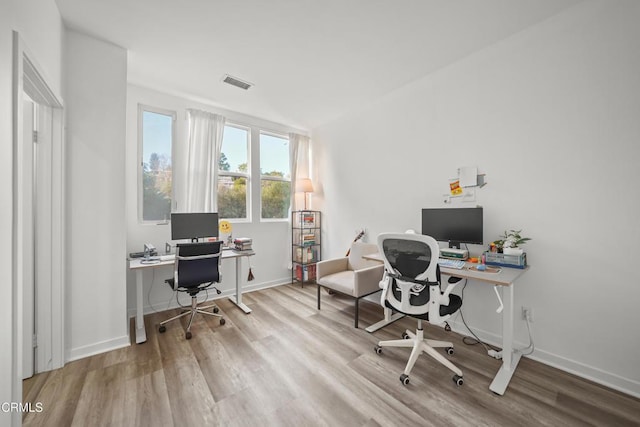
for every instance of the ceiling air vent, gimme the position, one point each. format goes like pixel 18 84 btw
pixel 233 81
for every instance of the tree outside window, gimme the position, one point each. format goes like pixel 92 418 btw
pixel 275 176
pixel 233 173
pixel 157 178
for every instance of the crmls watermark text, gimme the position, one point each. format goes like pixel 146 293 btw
pixel 21 407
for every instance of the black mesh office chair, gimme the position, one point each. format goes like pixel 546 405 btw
pixel 196 269
pixel 411 285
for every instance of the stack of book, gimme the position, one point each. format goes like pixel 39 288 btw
pixel 243 244
pixel 305 273
pixel 308 239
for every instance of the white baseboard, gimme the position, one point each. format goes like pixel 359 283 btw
pixel 616 382
pixel 97 348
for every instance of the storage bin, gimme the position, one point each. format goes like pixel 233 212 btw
pixel 514 261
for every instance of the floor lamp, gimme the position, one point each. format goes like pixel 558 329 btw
pixel 305 186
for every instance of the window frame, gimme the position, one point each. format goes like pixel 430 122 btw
pixel 271 177
pixel 247 175
pixel 142 108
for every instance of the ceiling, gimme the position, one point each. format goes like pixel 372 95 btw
pixel 311 60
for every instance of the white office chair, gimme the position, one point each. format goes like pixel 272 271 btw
pixel 411 285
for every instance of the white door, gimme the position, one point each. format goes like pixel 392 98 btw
pixel 37 240
pixel 26 242
pixel 43 239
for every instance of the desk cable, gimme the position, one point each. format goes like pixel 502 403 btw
pixel 467 339
pixel 491 351
pixel 531 347
pixel 153 282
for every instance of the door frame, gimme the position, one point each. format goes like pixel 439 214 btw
pixel 29 78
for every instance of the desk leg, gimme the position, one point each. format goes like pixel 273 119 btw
pixel 510 358
pixel 237 299
pixel 141 333
pixel 389 318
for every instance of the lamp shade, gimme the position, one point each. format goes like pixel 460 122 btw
pixel 304 185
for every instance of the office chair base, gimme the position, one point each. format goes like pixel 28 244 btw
pixel 192 311
pixel 419 345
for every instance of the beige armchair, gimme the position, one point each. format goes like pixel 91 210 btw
pixel 351 275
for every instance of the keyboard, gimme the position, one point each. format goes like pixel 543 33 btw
pixel 458 264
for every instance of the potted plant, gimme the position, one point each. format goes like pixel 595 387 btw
pixel 509 242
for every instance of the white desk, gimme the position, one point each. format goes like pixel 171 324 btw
pixel 506 279
pixel 139 267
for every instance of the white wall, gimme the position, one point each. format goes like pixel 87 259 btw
pixel 551 115
pixel 40 26
pixel 270 238
pixel 95 95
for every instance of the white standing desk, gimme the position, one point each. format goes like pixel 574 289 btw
pixel 506 279
pixel 139 267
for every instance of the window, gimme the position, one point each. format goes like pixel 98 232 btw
pixel 234 173
pixel 275 176
pixel 156 140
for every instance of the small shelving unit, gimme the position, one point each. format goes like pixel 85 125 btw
pixel 305 245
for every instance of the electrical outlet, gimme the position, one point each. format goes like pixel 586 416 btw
pixel 527 313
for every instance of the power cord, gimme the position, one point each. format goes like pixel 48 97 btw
pixel 492 351
pixel 153 282
pixel 474 340
pixel 531 347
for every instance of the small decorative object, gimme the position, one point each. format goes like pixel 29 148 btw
pixel 509 242
pixel 250 277
pixel 225 228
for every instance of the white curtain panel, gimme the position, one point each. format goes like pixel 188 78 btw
pixel 299 166
pixel 203 151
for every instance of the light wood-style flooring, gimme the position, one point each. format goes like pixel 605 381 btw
pixel 288 364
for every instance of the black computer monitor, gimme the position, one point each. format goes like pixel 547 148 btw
pixel 194 226
pixel 453 225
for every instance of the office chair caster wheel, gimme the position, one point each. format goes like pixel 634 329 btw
pixel 458 380
pixel 222 321
pixel 405 336
pixel 377 349
pixel 449 351
pixel 404 379
pixel 216 309
pixel 188 335
pixel 162 329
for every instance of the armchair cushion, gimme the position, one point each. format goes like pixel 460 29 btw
pixel 341 281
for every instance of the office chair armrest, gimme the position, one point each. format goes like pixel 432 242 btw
pixel 367 280
pixel 331 266
pixel 445 294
